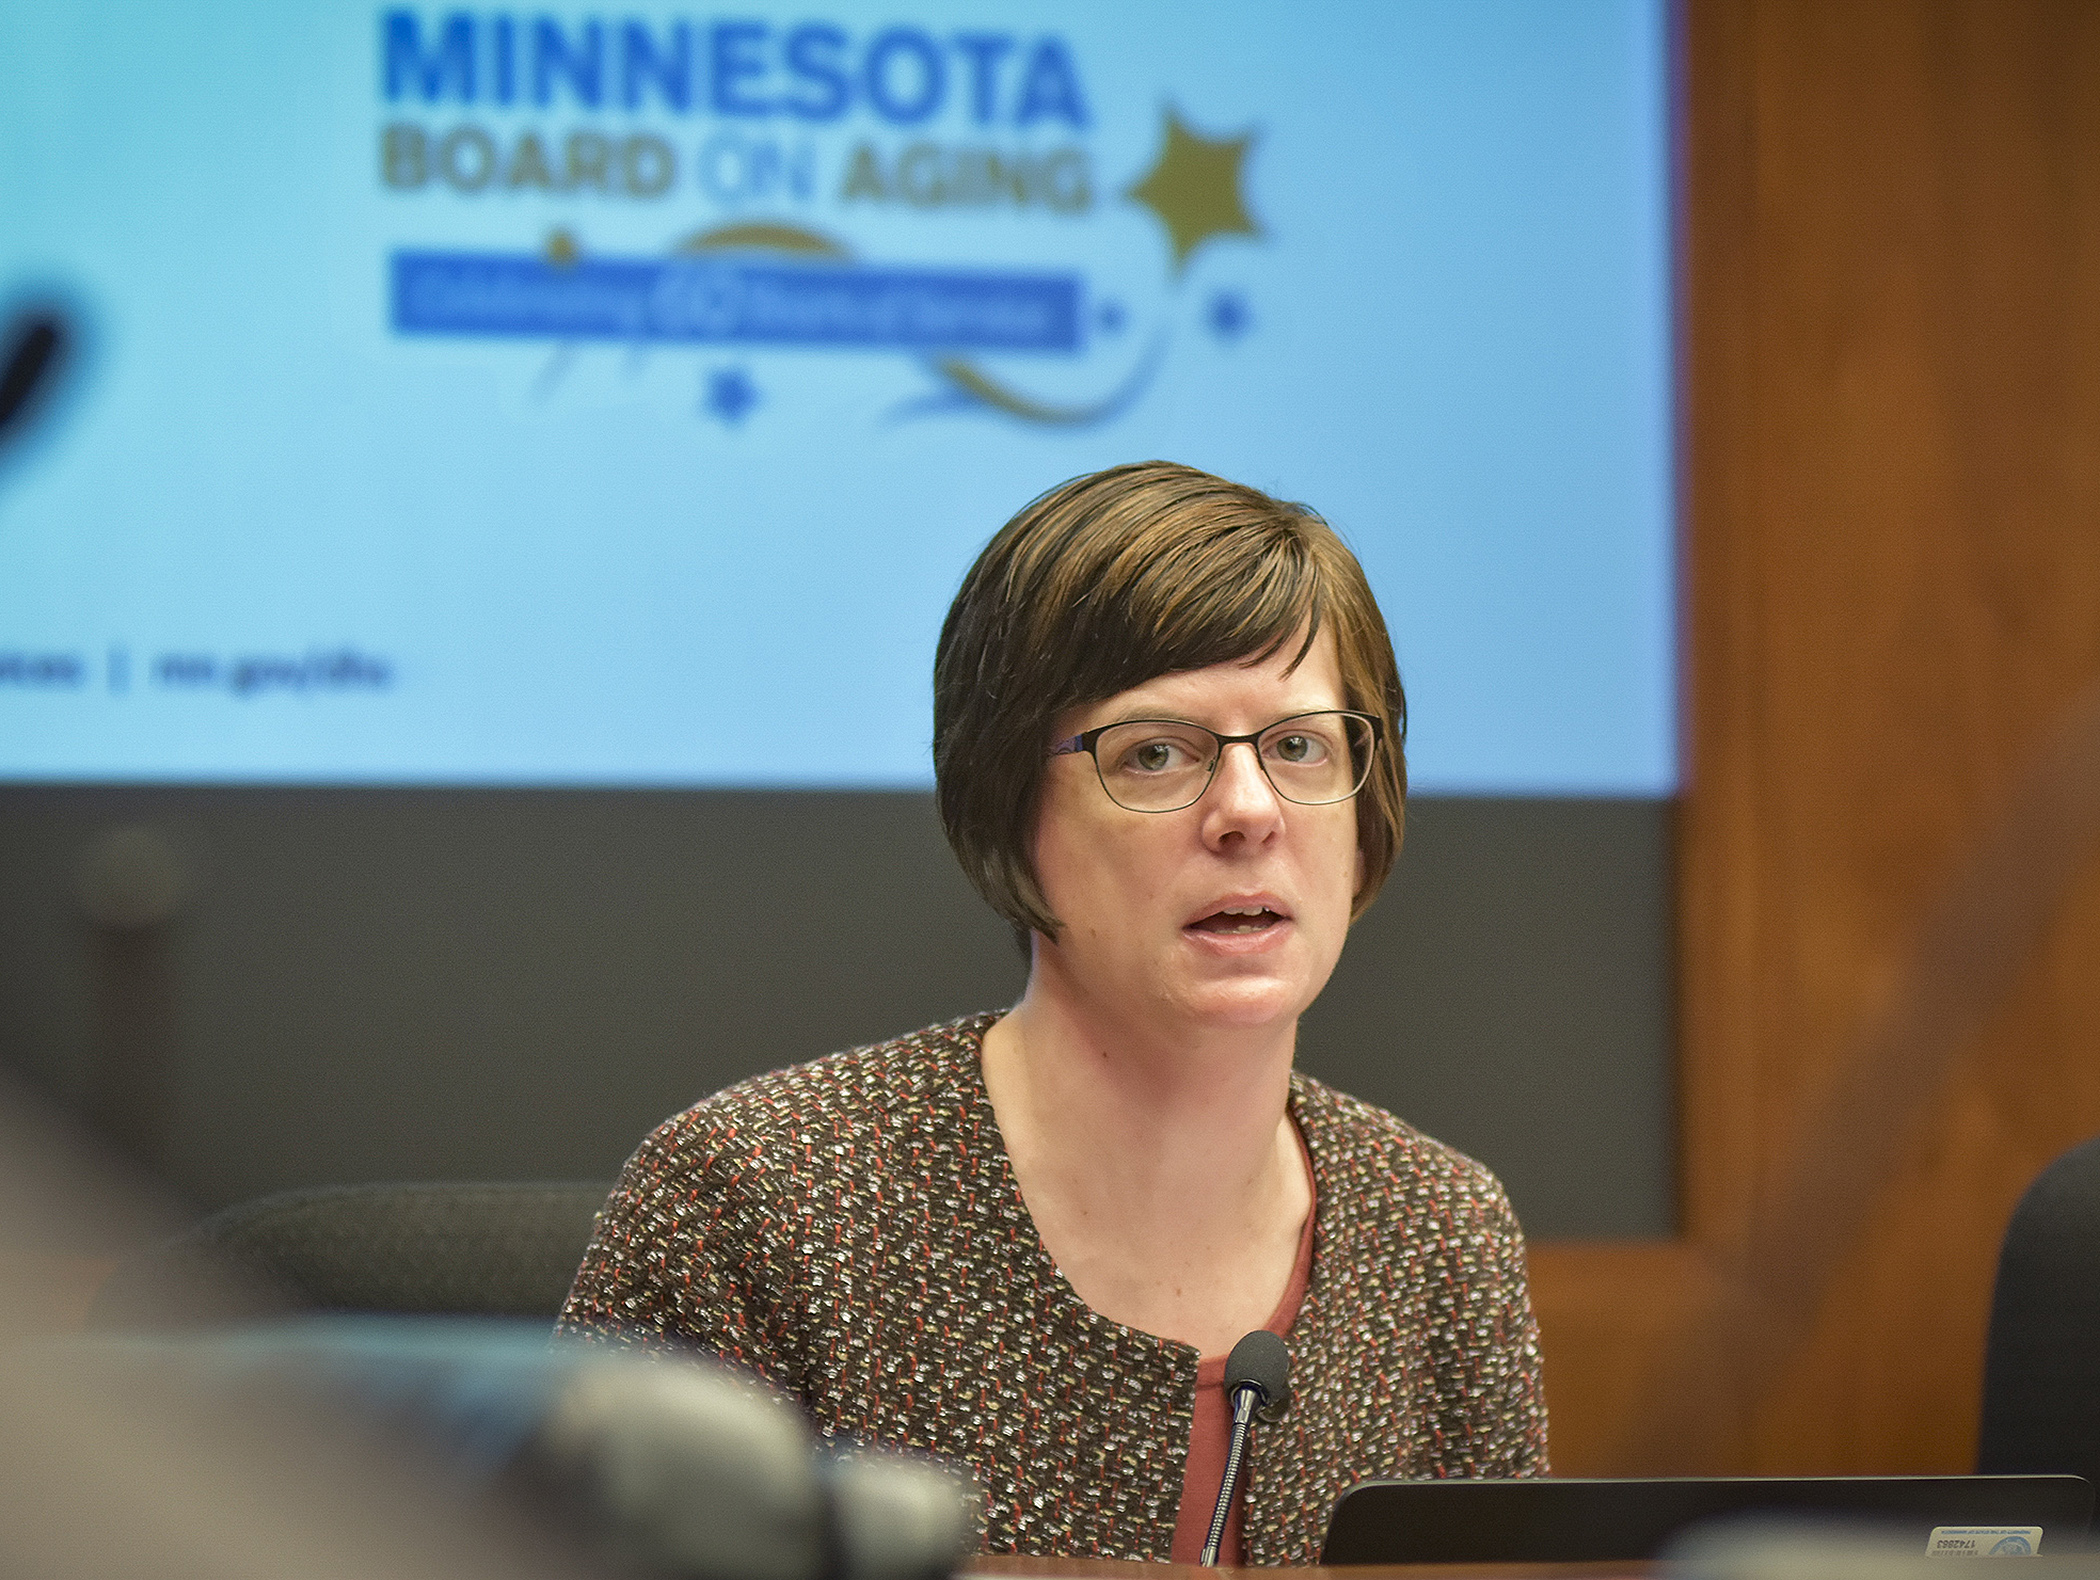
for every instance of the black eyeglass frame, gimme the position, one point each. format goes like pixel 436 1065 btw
pixel 1086 740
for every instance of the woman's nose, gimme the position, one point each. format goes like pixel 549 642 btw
pixel 1241 799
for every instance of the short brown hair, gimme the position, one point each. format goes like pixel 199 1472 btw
pixel 1111 580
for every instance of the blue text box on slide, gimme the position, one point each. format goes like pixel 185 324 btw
pixel 734 303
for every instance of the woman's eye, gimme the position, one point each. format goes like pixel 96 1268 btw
pixel 1303 749
pixel 1154 757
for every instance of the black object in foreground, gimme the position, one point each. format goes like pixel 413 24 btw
pixel 2041 1368
pixel 631 1466
pixel 1257 1382
pixel 1547 1519
pixel 29 362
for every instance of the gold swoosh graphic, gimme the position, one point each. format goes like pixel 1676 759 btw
pixel 764 238
pixel 969 381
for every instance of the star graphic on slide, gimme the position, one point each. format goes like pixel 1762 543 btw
pixel 730 394
pixel 562 249
pixel 1194 187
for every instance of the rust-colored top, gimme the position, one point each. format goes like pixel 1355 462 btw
pixel 850 1230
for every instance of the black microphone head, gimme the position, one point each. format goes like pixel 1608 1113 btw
pixel 1261 1362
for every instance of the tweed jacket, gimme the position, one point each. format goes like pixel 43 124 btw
pixel 851 1231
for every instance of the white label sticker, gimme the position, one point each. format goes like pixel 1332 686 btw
pixel 1985 1541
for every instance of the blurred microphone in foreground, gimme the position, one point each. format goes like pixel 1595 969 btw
pixel 404 1447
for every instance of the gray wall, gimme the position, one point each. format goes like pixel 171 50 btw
pixel 334 985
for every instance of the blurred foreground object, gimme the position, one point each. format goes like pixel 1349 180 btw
pixel 639 1465
pixel 1576 1519
pixel 131 888
pixel 377 1447
pixel 2041 1382
pixel 118 1470
pixel 1787 1549
pixel 452 1248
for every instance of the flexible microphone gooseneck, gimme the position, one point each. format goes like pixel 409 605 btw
pixel 1257 1382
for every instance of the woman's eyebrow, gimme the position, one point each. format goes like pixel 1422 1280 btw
pixel 1142 717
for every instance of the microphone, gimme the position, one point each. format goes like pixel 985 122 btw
pixel 1257 1382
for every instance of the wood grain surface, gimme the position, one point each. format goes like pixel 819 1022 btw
pixel 1891 496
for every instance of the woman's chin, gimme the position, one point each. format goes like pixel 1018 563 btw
pixel 1253 991
pixel 1247 1003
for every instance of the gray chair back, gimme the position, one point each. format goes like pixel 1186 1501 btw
pixel 444 1248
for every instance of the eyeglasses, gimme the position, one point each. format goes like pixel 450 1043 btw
pixel 1163 765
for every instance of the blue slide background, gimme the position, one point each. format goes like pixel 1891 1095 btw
pixel 266 536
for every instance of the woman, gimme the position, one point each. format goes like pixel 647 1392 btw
pixel 1167 744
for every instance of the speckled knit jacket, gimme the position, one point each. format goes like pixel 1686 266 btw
pixel 851 1230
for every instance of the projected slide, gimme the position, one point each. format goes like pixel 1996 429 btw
pixel 577 396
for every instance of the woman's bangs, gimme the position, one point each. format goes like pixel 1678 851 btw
pixel 1226 601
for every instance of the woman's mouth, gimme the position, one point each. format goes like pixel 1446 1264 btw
pixel 1233 919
